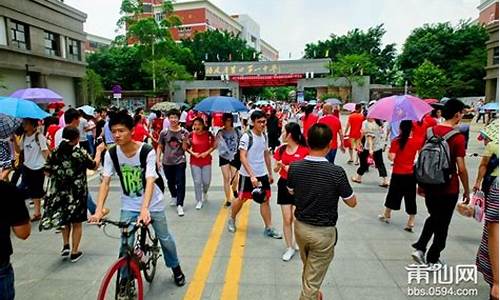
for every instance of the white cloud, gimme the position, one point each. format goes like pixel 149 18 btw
pixel 289 24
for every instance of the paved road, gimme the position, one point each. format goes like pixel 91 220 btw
pixel 369 262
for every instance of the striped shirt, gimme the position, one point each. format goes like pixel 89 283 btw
pixel 491 216
pixel 317 186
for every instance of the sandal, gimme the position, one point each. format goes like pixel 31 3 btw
pixel 383 219
pixel 409 228
pixel 355 180
pixel 350 161
pixel 384 185
pixel 36 218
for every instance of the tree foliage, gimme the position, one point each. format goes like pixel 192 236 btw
pixel 459 51
pixel 353 66
pixel 215 45
pixel 277 93
pixel 93 90
pixel 359 42
pixel 430 81
pixel 166 72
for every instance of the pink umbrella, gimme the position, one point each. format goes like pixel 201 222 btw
pixel 349 106
pixel 431 101
pixel 398 108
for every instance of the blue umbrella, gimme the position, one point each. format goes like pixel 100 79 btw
pixel 20 108
pixel 87 109
pixel 490 106
pixel 220 104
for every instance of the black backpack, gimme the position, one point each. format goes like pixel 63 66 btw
pixel 250 138
pixel 143 155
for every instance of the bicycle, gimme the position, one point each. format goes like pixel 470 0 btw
pixel 142 256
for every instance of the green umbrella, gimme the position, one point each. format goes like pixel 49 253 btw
pixel 491 131
pixel 165 106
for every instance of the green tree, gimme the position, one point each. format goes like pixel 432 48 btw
pixel 277 93
pixel 93 90
pixel 167 71
pixel 352 67
pixel 459 51
pixel 215 45
pixel 359 42
pixel 430 81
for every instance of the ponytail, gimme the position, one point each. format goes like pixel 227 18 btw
pixel 405 129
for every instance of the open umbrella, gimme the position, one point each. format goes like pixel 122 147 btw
pixel 491 131
pixel 220 104
pixel 398 108
pixel 431 101
pixel 333 101
pixel 38 95
pixel 8 125
pixel 444 99
pixel 349 106
pixel 20 108
pixel 262 102
pixel 165 106
pixel 87 109
pixel 490 106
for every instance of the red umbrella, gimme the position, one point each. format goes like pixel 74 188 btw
pixel 55 105
pixel 431 101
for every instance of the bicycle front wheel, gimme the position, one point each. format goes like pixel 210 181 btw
pixel 121 284
pixel 151 250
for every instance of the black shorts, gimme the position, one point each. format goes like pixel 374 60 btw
pixel 33 181
pixel 284 196
pixel 246 187
pixel 235 162
pixel 402 186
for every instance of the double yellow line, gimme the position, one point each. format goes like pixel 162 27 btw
pixel 233 272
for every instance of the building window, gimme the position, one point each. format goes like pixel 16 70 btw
pixel 159 17
pixel 495 56
pixel 147 8
pixel 19 34
pixel 74 52
pixel 52 43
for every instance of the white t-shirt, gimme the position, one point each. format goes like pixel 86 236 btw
pixel 132 176
pixel 33 156
pixel 255 155
pixel 183 117
pixel 81 127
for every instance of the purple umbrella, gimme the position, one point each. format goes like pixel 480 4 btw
pixel 398 108
pixel 349 106
pixel 38 95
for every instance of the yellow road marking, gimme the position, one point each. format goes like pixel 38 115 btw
pixel 197 285
pixel 233 272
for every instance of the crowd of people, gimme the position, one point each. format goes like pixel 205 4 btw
pixel 299 143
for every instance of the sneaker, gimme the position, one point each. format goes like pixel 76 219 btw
pixel 436 266
pixel 180 279
pixel 205 197
pixel 199 205
pixel 289 253
pixel 231 226
pixel 180 211
pixel 76 257
pixel 271 232
pixel 418 257
pixel 173 201
pixel 65 251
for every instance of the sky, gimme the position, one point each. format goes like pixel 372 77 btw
pixel 288 25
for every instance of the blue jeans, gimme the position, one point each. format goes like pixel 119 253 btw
pixel 90 139
pixel 7 291
pixel 159 223
pixel 331 156
pixel 90 204
pixel 176 181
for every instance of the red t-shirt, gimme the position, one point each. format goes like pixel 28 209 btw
pixel 355 122
pixel 405 158
pixel 51 133
pixel 309 121
pixel 287 159
pixel 140 133
pixel 457 149
pixel 419 130
pixel 336 113
pixel 334 124
pixel 199 144
pixel 217 119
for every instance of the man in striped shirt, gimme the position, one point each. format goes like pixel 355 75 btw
pixel 317 186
